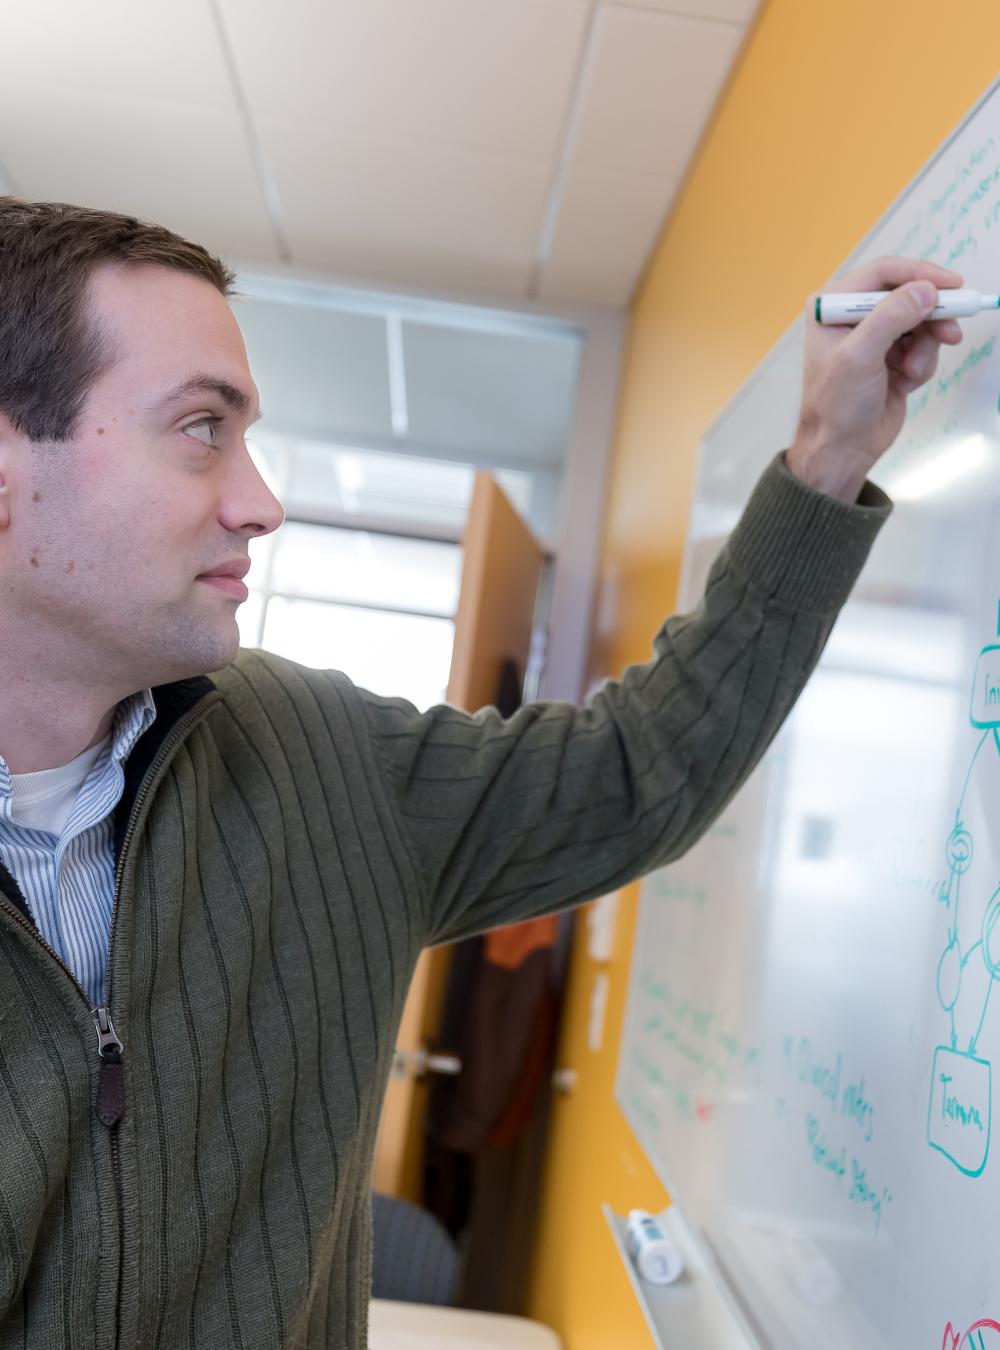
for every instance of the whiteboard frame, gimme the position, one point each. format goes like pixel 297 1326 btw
pixel 728 1288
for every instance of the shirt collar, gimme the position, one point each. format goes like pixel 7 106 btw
pixel 133 718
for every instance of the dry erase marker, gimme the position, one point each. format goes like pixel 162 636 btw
pixel 852 306
pixel 655 1257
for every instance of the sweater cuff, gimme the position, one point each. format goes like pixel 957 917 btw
pixel 803 547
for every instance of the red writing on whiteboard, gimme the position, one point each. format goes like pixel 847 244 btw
pixel 973 1339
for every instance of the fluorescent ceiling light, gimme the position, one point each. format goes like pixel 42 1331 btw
pixel 951 463
pixel 397 375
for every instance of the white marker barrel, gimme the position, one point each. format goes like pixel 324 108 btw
pixel 655 1257
pixel 851 307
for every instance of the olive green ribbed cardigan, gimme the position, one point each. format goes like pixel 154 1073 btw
pixel 293 845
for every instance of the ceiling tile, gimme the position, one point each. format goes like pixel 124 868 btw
pixel 420 215
pixel 608 225
pixel 735 11
pixel 453 72
pixel 186 168
pixel 162 51
pixel 652 86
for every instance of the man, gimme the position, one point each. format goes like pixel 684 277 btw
pixel 231 878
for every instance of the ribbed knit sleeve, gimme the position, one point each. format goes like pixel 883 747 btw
pixel 506 820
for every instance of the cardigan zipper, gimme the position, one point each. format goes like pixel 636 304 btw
pixel 110 1102
pixel 109 1080
pixel 109 1047
pixel 111 1083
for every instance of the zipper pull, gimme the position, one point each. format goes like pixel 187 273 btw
pixel 111 1083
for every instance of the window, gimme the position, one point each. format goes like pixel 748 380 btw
pixel 379 409
pixel 379 607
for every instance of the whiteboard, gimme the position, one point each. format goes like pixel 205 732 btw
pixel 813 1026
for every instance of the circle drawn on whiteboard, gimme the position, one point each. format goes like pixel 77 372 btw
pixel 959 850
pixel 949 975
pixel 991 939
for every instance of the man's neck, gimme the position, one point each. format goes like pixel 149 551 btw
pixel 45 729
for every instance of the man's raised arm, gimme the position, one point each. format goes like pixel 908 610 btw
pixel 506 820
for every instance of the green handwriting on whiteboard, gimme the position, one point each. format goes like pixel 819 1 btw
pixel 836 1115
pixel 697 1032
pixel 824 1075
pixel 848 1175
pixel 664 1090
pixel 684 1051
pixel 662 887
pixel 963 208
pixel 945 383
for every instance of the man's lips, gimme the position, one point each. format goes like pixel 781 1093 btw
pixel 231 586
pixel 229 578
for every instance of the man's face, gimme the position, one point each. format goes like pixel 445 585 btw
pixel 110 536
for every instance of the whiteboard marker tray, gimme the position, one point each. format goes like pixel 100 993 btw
pixel 694 1312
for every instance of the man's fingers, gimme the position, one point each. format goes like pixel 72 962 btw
pixel 948 331
pixel 916 358
pixel 902 311
pixel 885 274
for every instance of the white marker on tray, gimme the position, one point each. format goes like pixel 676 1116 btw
pixel 851 307
pixel 655 1257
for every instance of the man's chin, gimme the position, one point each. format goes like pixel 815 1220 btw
pixel 207 649
pixel 224 656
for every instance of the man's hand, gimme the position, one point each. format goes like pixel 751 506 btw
pixel 856 379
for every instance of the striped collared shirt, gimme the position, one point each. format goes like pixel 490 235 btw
pixel 69 880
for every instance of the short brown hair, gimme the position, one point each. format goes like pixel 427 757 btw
pixel 50 351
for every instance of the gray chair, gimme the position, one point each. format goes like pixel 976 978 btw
pixel 414 1259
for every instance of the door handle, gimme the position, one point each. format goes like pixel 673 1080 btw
pixel 418 1064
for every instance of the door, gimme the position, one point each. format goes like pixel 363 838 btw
pixel 496 607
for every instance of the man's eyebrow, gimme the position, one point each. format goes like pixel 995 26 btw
pixel 237 399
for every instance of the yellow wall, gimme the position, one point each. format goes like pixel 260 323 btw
pixel 834 107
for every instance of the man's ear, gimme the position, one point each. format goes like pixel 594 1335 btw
pixel 9 440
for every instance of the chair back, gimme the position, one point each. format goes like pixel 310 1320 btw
pixel 415 1259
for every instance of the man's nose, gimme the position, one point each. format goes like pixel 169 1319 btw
pixel 250 506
